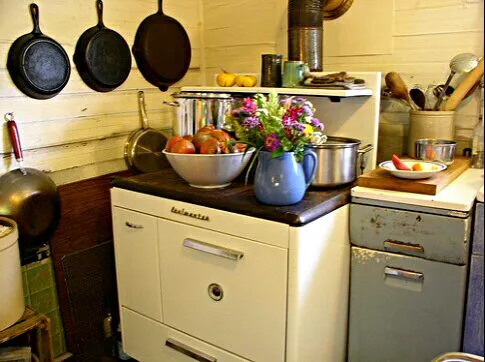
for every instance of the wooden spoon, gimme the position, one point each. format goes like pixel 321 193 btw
pixel 398 89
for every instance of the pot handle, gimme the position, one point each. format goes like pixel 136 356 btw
pixel 310 172
pixel 172 104
pixel 142 110
pixel 362 155
pixel 13 133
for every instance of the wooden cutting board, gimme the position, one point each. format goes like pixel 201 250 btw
pixel 382 179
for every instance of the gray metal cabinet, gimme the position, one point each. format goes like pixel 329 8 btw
pixel 408 284
pixel 429 236
pixel 474 321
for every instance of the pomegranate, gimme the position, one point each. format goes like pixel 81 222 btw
pixel 183 146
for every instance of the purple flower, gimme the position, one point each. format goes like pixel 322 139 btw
pixel 307 110
pixel 299 127
pixel 250 122
pixel 271 142
pixel 249 106
pixel 317 124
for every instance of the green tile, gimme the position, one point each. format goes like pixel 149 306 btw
pixel 56 321
pixel 40 275
pixel 57 344
pixel 27 300
pixel 25 284
pixel 44 301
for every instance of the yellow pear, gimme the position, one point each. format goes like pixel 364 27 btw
pixel 246 80
pixel 226 79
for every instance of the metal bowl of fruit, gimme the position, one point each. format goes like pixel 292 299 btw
pixel 430 149
pixel 210 159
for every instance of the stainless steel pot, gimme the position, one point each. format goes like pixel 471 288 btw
pixel 338 161
pixel 196 110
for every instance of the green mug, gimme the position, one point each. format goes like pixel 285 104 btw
pixel 294 72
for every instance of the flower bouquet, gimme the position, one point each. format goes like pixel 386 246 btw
pixel 276 125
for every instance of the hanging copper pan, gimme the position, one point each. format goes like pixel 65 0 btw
pixel 143 150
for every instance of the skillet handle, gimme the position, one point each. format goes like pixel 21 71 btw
pixel 142 110
pixel 160 7
pixel 34 12
pixel 99 8
pixel 13 132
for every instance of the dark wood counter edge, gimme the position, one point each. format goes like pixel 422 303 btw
pixel 315 204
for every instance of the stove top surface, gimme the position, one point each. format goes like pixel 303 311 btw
pixel 238 197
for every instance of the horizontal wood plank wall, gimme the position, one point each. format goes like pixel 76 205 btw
pixel 236 33
pixel 80 133
pixel 426 34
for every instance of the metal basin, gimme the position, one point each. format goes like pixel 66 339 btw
pixel 430 149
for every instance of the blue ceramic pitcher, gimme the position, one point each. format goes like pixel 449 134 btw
pixel 282 180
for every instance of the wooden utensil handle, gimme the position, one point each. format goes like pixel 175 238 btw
pixel 460 92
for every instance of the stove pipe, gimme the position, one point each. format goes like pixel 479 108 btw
pixel 305 32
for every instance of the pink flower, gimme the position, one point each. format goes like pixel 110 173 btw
pixel 271 142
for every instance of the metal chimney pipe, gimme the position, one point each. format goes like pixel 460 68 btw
pixel 305 32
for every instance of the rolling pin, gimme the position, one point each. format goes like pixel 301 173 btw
pixel 462 89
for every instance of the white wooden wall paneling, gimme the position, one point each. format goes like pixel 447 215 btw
pixel 135 81
pixel 236 33
pixel 422 20
pixel 81 133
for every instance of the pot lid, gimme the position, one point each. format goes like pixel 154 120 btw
pixel 334 9
pixel 338 142
pixel 201 95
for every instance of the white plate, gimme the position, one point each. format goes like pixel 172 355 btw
pixel 429 169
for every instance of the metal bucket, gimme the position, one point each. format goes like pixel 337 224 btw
pixel 305 32
pixel 196 110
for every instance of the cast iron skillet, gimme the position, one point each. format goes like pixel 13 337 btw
pixel 102 56
pixel 162 49
pixel 37 64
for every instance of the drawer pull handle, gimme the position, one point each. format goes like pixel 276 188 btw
pixel 404 247
pixel 404 274
pixel 133 226
pixel 213 249
pixel 189 351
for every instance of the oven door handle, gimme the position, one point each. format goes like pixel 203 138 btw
pixel 213 249
pixel 189 351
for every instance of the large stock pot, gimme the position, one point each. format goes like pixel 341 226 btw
pixel 198 109
pixel 339 160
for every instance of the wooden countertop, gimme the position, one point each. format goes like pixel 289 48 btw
pixel 238 197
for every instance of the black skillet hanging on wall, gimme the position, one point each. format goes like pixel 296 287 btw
pixel 37 64
pixel 162 49
pixel 102 56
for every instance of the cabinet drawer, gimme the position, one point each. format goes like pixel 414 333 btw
pixel 149 341
pixel 434 237
pixel 137 266
pixel 227 291
pixel 403 308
